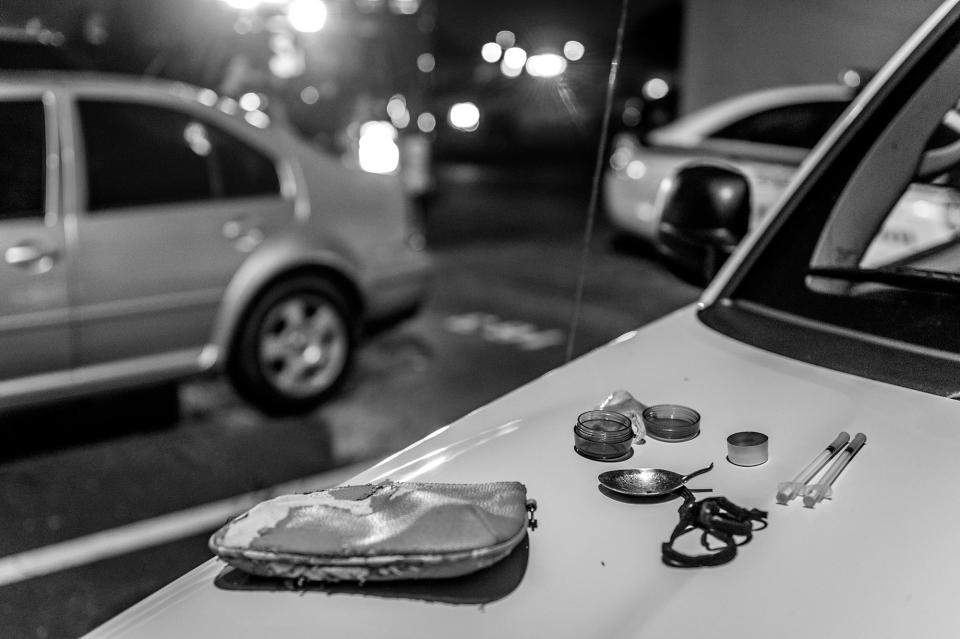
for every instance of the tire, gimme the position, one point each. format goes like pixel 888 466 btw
pixel 293 347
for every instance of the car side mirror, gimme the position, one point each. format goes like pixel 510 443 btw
pixel 705 212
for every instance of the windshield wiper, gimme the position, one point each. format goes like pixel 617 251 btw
pixel 913 279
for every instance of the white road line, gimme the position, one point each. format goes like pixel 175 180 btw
pixel 153 532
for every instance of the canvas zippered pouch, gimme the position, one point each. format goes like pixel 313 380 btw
pixel 377 532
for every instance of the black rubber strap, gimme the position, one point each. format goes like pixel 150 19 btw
pixel 719 519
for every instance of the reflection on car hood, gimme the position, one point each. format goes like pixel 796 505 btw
pixel 878 560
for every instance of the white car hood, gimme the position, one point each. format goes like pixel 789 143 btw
pixel 878 560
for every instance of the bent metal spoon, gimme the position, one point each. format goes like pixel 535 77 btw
pixel 646 482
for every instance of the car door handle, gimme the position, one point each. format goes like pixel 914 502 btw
pixel 31 256
pixel 243 232
pixel 237 227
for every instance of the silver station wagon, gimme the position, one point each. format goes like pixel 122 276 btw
pixel 151 230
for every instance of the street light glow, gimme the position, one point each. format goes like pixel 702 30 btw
pixel 515 57
pixel 426 122
pixel 513 60
pixel 250 101
pixel 207 97
pixel 636 169
pixel 288 60
pixel 506 39
pixel 546 65
pixel 397 110
pixel 377 148
pixel 307 16
pixel 396 106
pixel 426 62
pixel 490 52
pixel 257 118
pixel 573 50
pixel 405 7
pixel 655 88
pixel 464 116
pixel 310 95
pixel 851 78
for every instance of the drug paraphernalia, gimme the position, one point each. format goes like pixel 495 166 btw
pixel 790 489
pixel 815 493
pixel 624 403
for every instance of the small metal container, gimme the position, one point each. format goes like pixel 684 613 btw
pixel 671 422
pixel 747 448
pixel 604 435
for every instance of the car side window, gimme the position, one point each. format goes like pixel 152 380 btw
pixel 139 154
pixel 872 248
pixel 244 171
pixel 796 125
pixel 906 237
pixel 22 168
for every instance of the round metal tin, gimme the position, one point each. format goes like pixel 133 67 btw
pixel 747 448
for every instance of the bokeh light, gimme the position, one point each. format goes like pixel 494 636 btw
pixel 396 106
pixel 573 50
pixel 228 105
pixel 405 7
pixel 546 65
pixel 491 52
pixel 307 16
pixel 636 169
pixel 426 62
pixel 426 122
pixel 258 119
pixel 397 110
pixel 464 116
pixel 851 78
pixel 513 60
pixel 310 94
pixel 619 158
pixel 377 148
pixel 655 89
pixel 250 101
pixel 208 97
pixel 195 135
pixel 632 115
pixel 506 39
pixel 288 60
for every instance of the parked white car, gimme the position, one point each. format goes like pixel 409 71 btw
pixel 147 234
pixel 798 339
pixel 765 134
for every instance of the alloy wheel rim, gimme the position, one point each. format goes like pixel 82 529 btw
pixel 303 345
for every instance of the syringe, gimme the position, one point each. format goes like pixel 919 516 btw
pixel 790 489
pixel 815 493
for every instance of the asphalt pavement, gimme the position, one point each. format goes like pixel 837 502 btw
pixel 113 497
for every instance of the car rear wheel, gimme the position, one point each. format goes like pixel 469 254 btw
pixel 293 347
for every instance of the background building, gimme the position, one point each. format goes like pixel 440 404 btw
pixel 733 46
